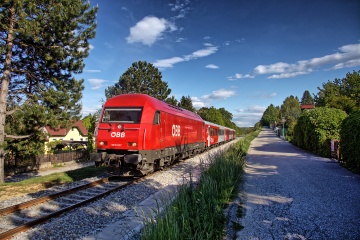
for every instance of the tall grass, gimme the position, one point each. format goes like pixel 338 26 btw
pixel 197 212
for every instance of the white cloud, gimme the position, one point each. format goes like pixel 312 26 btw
pixel 92 71
pixel 219 94
pixel 264 95
pixel 249 116
pixel 348 64
pixel 202 53
pixel 240 76
pixel 212 66
pixel 97 83
pixel 252 109
pixel 180 39
pixel 347 56
pixel 246 119
pixel 181 7
pixel 149 29
pixel 197 103
pixel 169 63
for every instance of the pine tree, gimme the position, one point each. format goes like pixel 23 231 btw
pixel 307 98
pixel 186 103
pixel 141 77
pixel 44 43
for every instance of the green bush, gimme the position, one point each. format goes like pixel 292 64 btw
pixel 350 141
pixel 315 129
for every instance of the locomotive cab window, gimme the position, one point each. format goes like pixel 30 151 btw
pixel 122 115
pixel 157 118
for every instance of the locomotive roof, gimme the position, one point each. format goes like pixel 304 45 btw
pixel 144 100
pixel 217 125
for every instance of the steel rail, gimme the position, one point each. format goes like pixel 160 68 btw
pixel 8 234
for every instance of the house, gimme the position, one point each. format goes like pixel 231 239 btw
pixel 307 106
pixel 76 134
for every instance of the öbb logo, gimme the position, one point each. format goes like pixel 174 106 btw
pixel 118 134
pixel 176 130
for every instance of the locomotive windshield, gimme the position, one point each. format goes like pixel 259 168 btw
pixel 123 115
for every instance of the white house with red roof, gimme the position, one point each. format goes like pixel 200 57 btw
pixel 76 134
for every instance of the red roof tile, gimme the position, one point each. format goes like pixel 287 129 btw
pixel 64 131
pixel 307 106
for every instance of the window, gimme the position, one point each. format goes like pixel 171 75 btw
pixel 122 115
pixel 157 118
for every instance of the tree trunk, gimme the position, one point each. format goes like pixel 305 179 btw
pixel 5 80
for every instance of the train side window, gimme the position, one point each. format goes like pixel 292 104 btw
pixel 157 118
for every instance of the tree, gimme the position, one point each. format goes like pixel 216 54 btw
pixel 90 123
pixel 227 117
pixel 43 43
pixel 342 94
pixel 270 116
pixel 307 98
pixel 141 77
pixel 172 100
pixel 211 114
pixel 315 129
pixel 186 103
pixel 290 109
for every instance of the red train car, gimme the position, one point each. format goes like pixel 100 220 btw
pixel 213 135
pixel 138 134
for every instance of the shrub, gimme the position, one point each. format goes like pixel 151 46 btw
pixel 315 129
pixel 350 141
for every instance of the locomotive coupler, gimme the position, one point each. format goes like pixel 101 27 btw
pixel 134 159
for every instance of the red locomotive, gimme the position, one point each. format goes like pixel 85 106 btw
pixel 138 134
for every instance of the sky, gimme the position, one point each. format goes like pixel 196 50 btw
pixel 241 55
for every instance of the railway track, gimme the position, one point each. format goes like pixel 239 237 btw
pixel 21 217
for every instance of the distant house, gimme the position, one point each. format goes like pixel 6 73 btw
pixel 76 134
pixel 307 106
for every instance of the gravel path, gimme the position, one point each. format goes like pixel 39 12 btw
pixel 291 194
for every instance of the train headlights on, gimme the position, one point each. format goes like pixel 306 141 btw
pixel 102 143
pixel 132 144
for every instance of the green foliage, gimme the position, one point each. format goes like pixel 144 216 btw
pixel 290 109
pixel 90 124
pixel 315 129
pixel 55 145
pixel 172 100
pixel 219 116
pixel 343 93
pixel 350 141
pixel 186 103
pixel 141 77
pixel 307 98
pixel 44 44
pixel 270 116
pixel 211 114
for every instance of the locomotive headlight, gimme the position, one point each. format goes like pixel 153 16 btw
pixel 102 143
pixel 132 144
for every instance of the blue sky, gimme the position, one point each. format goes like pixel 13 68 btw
pixel 233 54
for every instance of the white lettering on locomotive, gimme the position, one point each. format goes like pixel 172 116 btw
pixel 118 134
pixel 176 130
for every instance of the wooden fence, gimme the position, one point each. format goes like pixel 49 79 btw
pixel 18 165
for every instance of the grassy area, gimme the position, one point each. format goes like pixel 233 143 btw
pixel 197 212
pixel 13 189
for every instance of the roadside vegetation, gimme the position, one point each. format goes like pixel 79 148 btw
pixel 35 184
pixel 198 210
pixel 326 124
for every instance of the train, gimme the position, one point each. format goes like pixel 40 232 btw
pixel 138 134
